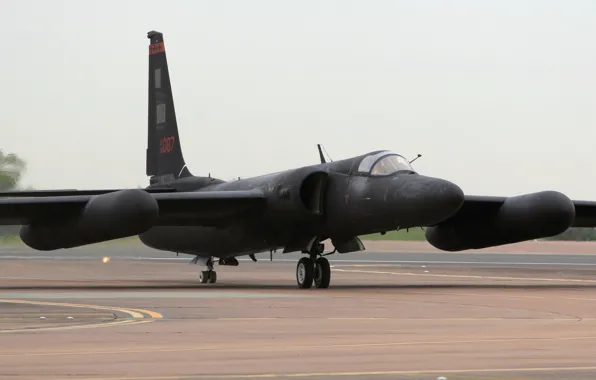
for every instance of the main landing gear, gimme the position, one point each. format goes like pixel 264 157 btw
pixel 208 276
pixel 313 269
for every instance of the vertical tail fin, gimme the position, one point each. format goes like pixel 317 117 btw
pixel 164 152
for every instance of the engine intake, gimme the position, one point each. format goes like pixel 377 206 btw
pixel 298 195
pixel 519 218
pixel 105 217
pixel 312 192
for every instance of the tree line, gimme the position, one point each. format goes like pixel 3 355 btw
pixel 576 234
pixel 13 167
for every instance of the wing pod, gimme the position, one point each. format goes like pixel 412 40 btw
pixel 489 222
pixel 105 217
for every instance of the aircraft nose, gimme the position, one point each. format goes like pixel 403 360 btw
pixel 428 200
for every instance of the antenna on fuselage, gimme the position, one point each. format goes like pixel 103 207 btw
pixel 417 157
pixel 321 156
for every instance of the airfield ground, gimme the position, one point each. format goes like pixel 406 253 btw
pixel 417 314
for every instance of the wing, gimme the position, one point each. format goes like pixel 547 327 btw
pixel 201 208
pixel 585 214
pixel 474 206
pixel 65 192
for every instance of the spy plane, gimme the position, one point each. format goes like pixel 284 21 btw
pixel 295 210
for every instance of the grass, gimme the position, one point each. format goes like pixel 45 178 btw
pixel 10 240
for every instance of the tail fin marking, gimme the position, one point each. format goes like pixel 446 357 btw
pixel 164 152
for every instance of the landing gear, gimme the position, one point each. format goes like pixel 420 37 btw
pixel 208 276
pixel 322 273
pixel 312 269
pixel 305 273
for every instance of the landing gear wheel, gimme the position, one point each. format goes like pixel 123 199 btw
pixel 305 272
pixel 212 277
pixel 204 276
pixel 322 275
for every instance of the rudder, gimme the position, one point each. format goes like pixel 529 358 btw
pixel 165 161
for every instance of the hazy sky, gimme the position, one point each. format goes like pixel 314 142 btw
pixel 498 96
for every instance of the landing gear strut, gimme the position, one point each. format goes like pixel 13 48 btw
pixel 209 275
pixel 313 269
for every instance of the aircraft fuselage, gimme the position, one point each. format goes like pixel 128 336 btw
pixel 324 201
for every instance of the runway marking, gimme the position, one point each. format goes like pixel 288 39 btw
pixel 247 319
pixel 430 262
pixel 234 348
pixel 42 314
pixel 77 327
pixel 456 319
pixel 465 276
pixel 136 315
pixel 336 374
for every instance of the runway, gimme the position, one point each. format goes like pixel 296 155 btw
pixel 135 251
pixel 143 315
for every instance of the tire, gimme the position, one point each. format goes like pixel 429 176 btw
pixel 204 277
pixel 322 275
pixel 305 272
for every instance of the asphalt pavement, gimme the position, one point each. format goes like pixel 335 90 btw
pixel 458 315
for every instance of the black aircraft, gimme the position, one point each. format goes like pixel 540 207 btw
pixel 293 210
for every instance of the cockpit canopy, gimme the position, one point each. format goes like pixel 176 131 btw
pixel 384 163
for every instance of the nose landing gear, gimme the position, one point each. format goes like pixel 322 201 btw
pixel 313 269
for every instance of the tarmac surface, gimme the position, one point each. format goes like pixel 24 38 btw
pixel 143 315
